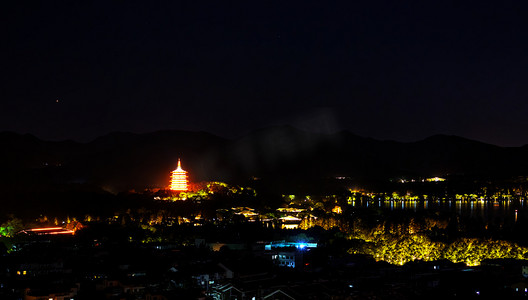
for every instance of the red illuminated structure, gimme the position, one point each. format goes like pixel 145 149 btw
pixel 48 231
pixel 178 179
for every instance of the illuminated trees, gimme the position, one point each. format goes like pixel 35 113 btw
pixel 12 226
pixel 473 251
pixel 393 245
pixel 412 239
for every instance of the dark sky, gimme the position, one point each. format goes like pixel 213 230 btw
pixel 382 69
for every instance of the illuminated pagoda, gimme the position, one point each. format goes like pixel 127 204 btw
pixel 178 179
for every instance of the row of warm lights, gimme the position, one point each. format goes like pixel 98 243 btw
pixel 50 230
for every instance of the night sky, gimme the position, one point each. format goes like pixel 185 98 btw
pixel 399 70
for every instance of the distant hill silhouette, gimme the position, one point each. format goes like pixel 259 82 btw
pixel 121 161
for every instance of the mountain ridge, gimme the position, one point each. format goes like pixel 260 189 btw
pixel 127 160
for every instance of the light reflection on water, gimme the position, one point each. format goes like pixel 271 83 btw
pixel 512 209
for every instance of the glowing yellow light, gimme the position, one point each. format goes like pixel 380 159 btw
pixel 337 210
pixel 435 179
pixel 178 179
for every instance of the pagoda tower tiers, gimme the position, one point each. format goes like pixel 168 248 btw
pixel 178 179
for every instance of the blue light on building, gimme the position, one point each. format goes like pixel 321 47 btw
pixel 283 244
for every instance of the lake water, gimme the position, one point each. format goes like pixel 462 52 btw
pixel 512 210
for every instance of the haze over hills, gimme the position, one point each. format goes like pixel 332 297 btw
pixel 121 161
